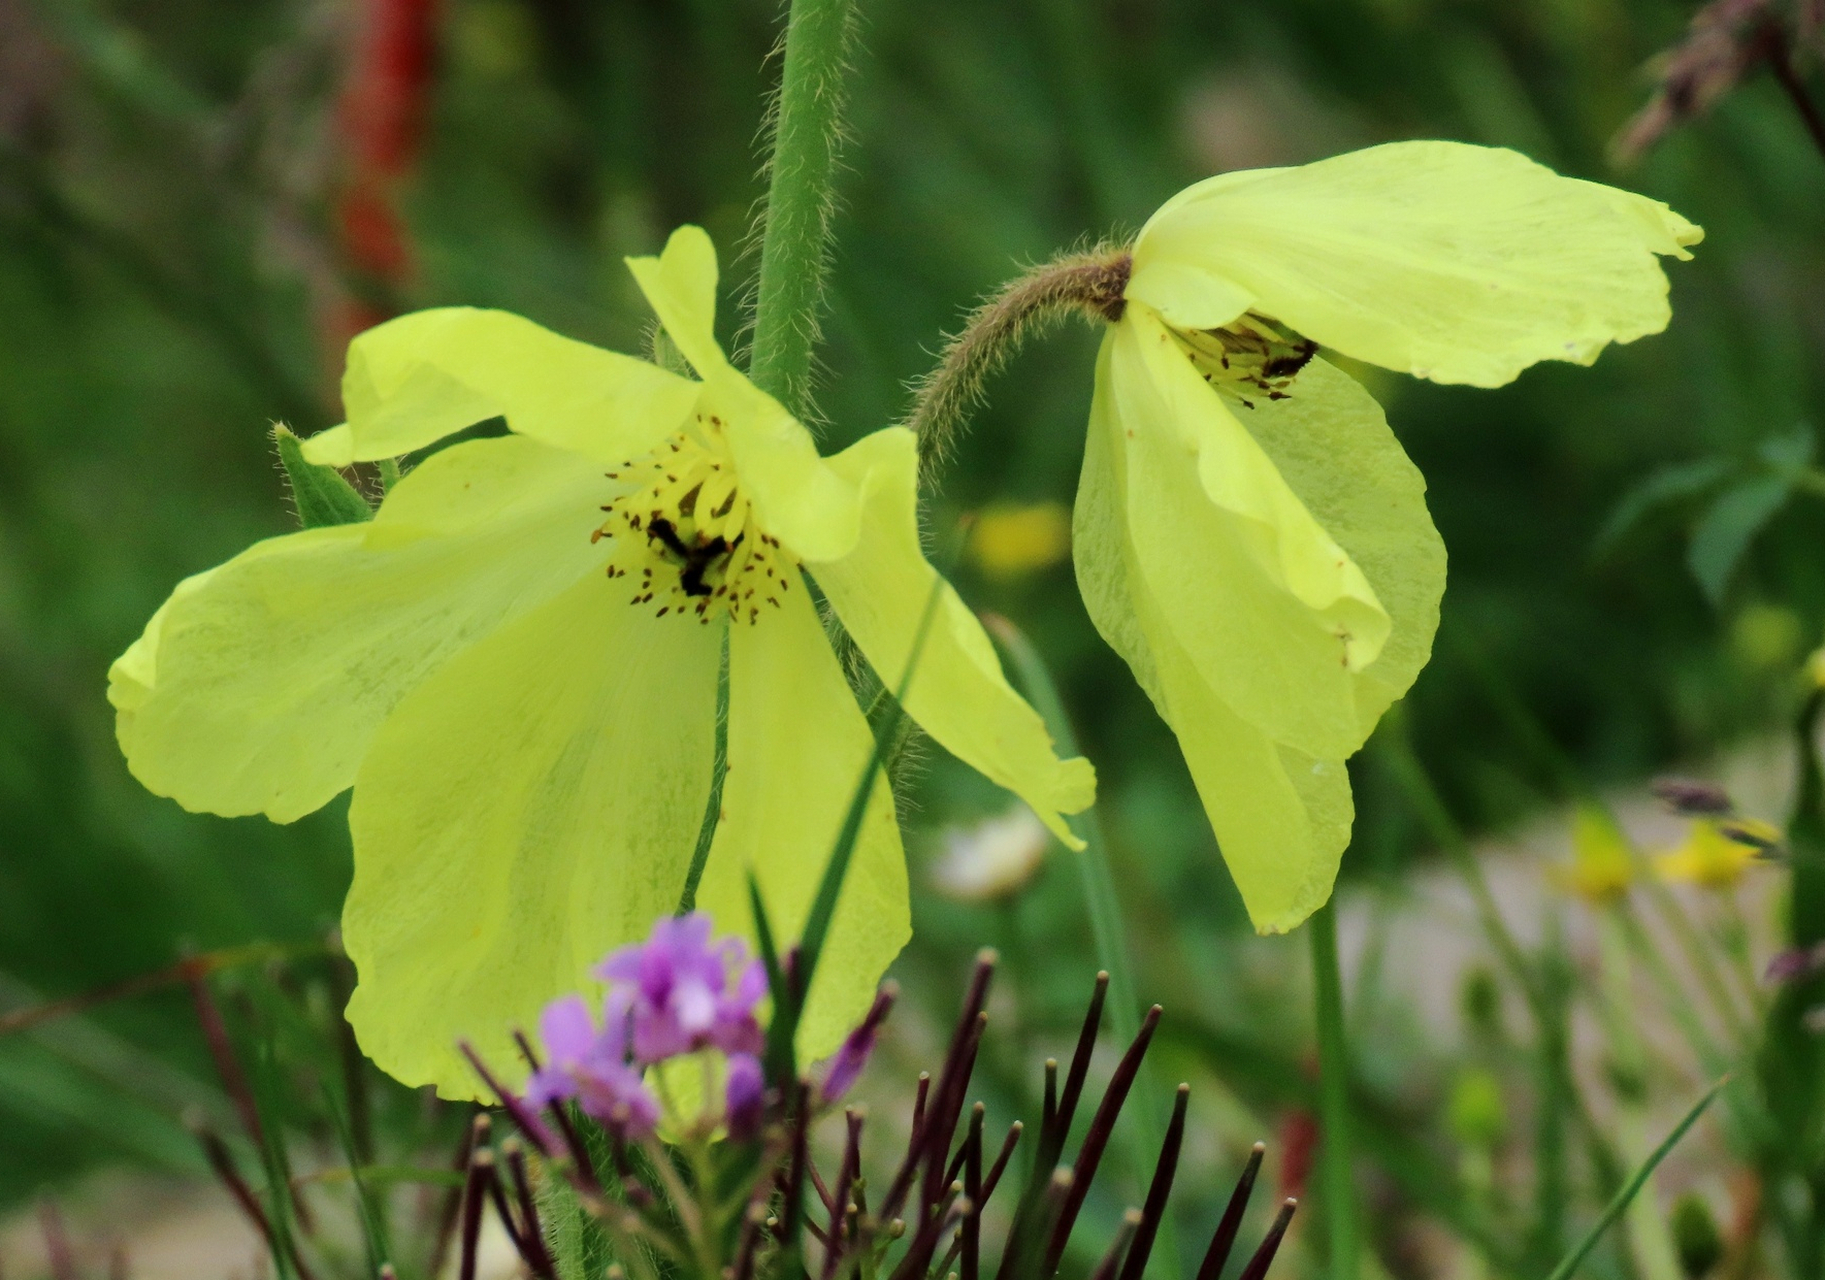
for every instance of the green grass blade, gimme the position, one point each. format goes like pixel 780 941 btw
pixel 823 907
pixel 373 1233
pixel 1629 1189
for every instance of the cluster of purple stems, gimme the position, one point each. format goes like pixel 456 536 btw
pixel 679 993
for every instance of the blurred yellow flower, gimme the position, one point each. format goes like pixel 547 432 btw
pixel 1815 668
pixel 523 694
pixel 1248 533
pixel 1716 851
pixel 992 859
pixel 1013 541
pixel 1603 864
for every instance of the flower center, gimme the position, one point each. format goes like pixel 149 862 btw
pixel 684 531
pixel 1251 353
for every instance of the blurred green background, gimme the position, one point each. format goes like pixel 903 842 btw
pixel 170 269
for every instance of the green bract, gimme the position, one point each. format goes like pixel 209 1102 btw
pixel 1249 534
pixel 523 695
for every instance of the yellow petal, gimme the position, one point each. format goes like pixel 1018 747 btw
pixel 1447 261
pixel 528 808
pixel 1273 613
pixel 1282 819
pixel 1332 446
pixel 797 748
pixel 257 687
pixel 417 379
pixel 680 286
pixel 797 495
pixel 958 693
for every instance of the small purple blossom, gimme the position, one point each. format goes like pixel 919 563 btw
pixel 744 1096
pixel 591 1066
pixel 688 993
pixel 1692 798
pixel 852 1055
pixel 1792 966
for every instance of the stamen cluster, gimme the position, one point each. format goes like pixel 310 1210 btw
pixel 1250 352
pixel 686 527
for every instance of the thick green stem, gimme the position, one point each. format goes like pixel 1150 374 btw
pixel 1333 1095
pixel 807 132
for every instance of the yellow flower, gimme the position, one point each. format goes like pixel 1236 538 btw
pixel 1717 851
pixel 1603 865
pixel 523 694
pixel 1249 534
pixel 1013 541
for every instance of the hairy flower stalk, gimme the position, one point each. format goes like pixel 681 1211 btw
pixel 1088 284
pixel 807 134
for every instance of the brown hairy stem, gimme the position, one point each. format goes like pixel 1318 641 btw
pixel 1087 284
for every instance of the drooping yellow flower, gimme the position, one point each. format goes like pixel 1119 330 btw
pixel 1603 865
pixel 523 694
pixel 1717 852
pixel 1248 533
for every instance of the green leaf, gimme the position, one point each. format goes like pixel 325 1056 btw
pixel 1728 526
pixel 1790 454
pixel 1663 488
pixel 320 494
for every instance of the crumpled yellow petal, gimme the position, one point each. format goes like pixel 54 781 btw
pixel 1331 444
pixel 1452 262
pixel 417 379
pixel 257 687
pixel 1274 614
pixel 796 497
pixel 526 809
pixel 1282 818
pixel 958 693
pixel 797 747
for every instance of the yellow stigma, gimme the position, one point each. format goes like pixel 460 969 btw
pixel 684 531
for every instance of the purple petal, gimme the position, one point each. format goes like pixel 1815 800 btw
pixel 847 1063
pixel 548 1085
pixel 617 1097
pixel 693 1007
pixel 622 964
pixel 752 984
pixel 738 1033
pixel 566 1031
pixel 617 1010
pixel 744 1096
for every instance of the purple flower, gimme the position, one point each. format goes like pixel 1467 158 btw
pixel 744 1096
pixel 852 1055
pixel 1792 966
pixel 683 996
pixel 591 1066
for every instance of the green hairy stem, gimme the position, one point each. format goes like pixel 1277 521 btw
pixel 807 133
pixel 1088 284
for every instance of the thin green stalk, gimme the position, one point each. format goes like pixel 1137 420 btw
pixel 1333 1095
pixel 1569 1264
pixel 719 772
pixel 807 133
pixel 1649 1239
